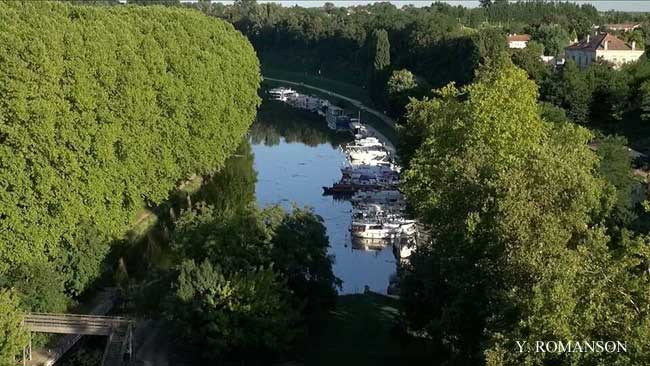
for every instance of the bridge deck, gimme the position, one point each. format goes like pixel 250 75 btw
pixel 73 323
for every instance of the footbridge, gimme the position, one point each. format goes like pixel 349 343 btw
pixel 72 327
pixel 118 330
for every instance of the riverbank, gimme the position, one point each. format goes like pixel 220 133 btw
pixel 363 330
pixel 350 90
pixel 355 102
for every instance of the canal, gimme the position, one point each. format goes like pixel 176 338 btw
pixel 295 155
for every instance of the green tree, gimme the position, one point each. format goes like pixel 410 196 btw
pixel 529 59
pixel 400 86
pixel 263 275
pixel 400 81
pixel 644 91
pixel 553 37
pixel 571 89
pixel 380 50
pixel 299 253
pixel 239 316
pixel 518 250
pixel 615 166
pixel 128 106
pixel 13 337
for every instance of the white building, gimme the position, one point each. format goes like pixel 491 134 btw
pixel 625 27
pixel 518 40
pixel 602 46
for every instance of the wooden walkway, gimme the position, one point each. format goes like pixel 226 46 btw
pixel 74 326
pixel 73 323
pixel 119 331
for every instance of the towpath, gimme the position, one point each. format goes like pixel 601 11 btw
pixel 355 102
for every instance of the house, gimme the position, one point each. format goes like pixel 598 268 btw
pixel 518 40
pixel 625 27
pixel 602 46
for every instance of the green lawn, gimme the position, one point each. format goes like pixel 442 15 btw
pixel 361 332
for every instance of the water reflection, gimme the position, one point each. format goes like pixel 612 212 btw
pixel 233 187
pixel 295 155
pixel 276 120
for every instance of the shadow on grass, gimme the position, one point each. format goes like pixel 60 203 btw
pixel 362 330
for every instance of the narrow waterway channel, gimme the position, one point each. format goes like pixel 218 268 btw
pixel 295 155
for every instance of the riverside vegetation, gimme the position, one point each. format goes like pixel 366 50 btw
pixel 533 236
pixel 103 112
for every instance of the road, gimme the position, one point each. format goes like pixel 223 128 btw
pixel 356 103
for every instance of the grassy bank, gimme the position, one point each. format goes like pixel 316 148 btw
pixel 361 331
pixel 368 118
pixel 349 90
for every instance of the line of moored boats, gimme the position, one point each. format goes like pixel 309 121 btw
pixel 369 179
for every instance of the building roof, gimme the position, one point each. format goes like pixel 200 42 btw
pixel 616 26
pixel 518 37
pixel 599 42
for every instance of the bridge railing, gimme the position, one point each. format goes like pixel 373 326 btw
pixel 73 323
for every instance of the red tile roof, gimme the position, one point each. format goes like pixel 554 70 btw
pixel 597 42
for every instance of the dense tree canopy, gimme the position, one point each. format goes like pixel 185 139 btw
pixel 12 334
pixel 333 40
pixel 518 248
pixel 248 280
pixel 104 110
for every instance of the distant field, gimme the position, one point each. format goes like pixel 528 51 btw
pixel 361 332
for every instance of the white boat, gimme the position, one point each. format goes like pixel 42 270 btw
pixel 282 93
pixel 302 101
pixel 370 230
pixel 322 109
pixel 332 115
pixel 366 142
pixel 375 229
pixel 377 171
pixel 383 161
pixel 366 152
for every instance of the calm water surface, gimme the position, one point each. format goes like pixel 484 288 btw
pixel 295 155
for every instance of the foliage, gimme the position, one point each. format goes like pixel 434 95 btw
pixel 571 89
pixel 553 37
pixel 300 254
pixel 401 85
pixel 12 334
pixel 529 59
pixel 434 42
pixel 400 81
pixel 517 249
pixel 615 167
pixel 261 275
pixel 379 50
pixel 644 91
pixel 379 58
pixel 104 110
pixel 244 313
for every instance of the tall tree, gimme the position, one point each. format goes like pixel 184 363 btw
pixel 13 337
pixel 120 118
pixel 516 214
pixel 380 50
